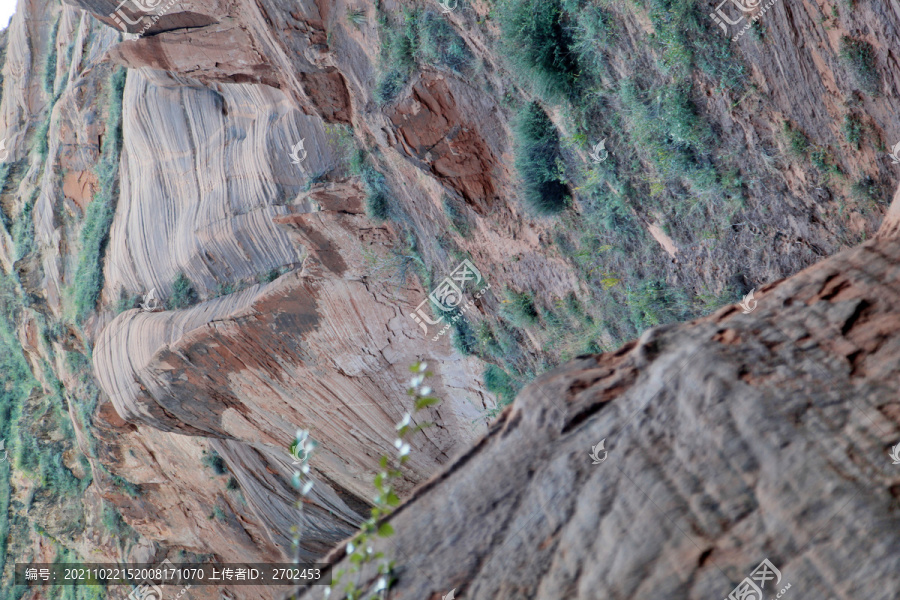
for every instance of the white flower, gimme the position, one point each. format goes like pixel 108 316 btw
pixel 327 592
pixel 416 381
pixel 307 487
pixel 305 469
pixel 350 548
pixel 422 367
pixel 407 419
pixel 404 449
pixel 425 391
pixel 380 584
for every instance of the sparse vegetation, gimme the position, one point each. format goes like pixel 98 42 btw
pixel 519 309
pixel 498 382
pixel 183 293
pixel 356 17
pixel 49 78
pixel 853 130
pixel 423 36
pixel 463 339
pixel 438 44
pixel 860 56
pixel 797 140
pixel 868 190
pixel 88 281
pixel 539 46
pixel 377 205
pixel 212 460
pixel 456 215
pixel 537 158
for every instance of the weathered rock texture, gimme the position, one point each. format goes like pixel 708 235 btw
pixel 218 94
pixel 732 439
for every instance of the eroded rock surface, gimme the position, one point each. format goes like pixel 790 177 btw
pixel 730 440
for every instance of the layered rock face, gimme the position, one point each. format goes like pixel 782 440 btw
pixel 305 320
pixel 728 441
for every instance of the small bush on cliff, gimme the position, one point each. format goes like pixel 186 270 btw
pixel 183 293
pixel 860 56
pixel 537 155
pixel 214 461
pixel 498 382
pixel 853 129
pixel 396 60
pixel 49 79
pixel 519 309
pixel 538 45
pixel 455 213
pixel 464 340
pixel 438 43
pixel 377 204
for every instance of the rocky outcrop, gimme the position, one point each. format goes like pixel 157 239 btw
pixel 308 351
pixel 730 440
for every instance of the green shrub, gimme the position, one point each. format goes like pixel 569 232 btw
pixel 439 44
pixel 183 293
pixel 42 137
pixel 356 17
pixel 537 155
pixel 538 46
pixel 485 336
pixel 49 79
pixel 23 230
pixel 396 60
pixel 498 382
pixel 113 521
pixel 797 140
pixel 456 216
pixel 214 461
pixel 126 302
pixel 860 56
pixel 377 204
pixel 88 280
pixel 651 303
pixel 131 489
pixel 464 340
pixel 869 190
pixel 853 130
pixel 519 309
pixel 269 276
pixel 224 289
